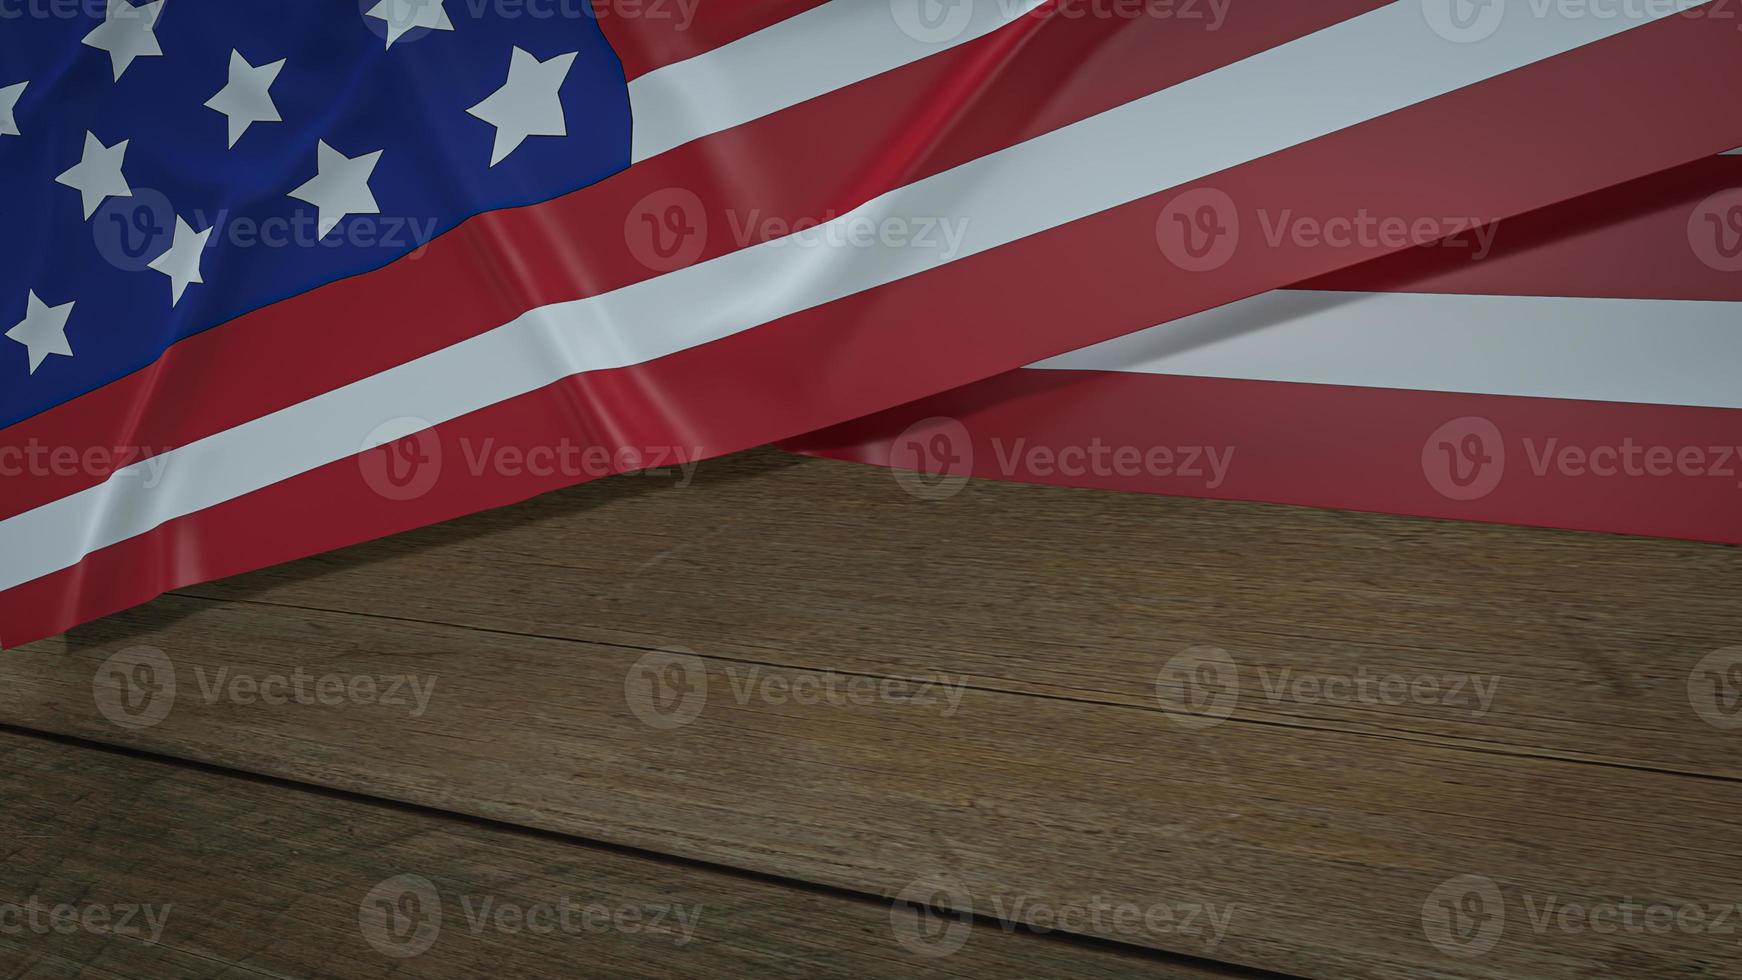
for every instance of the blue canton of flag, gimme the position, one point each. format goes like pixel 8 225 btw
pixel 167 166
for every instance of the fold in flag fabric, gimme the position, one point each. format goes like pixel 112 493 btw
pixel 1574 367
pixel 275 281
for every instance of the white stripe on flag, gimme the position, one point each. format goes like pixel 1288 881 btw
pixel 1668 352
pixel 823 49
pixel 1319 84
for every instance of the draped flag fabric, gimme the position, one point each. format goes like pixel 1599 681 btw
pixel 279 279
pixel 1575 367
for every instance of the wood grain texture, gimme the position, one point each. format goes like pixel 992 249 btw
pixel 248 879
pixel 1062 778
pixel 1589 641
pixel 1320 848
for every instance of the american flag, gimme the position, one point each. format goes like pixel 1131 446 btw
pixel 270 275
pixel 1575 367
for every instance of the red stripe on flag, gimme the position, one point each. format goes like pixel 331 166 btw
pixel 1662 470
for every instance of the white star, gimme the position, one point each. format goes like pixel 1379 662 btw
pixel 182 262
pixel 97 176
pixel 528 104
pixel 341 187
pixel 245 99
pixel 404 16
pixel 127 32
pixel 8 108
pixel 43 330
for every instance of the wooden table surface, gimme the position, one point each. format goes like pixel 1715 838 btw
pixel 786 719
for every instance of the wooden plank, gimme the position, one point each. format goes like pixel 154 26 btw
pixel 161 870
pixel 1320 850
pixel 1585 646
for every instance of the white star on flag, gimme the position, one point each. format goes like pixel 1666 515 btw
pixel 245 99
pixel 97 177
pixel 341 187
pixel 404 16
pixel 127 32
pixel 43 331
pixel 9 108
pixel 528 104
pixel 182 262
